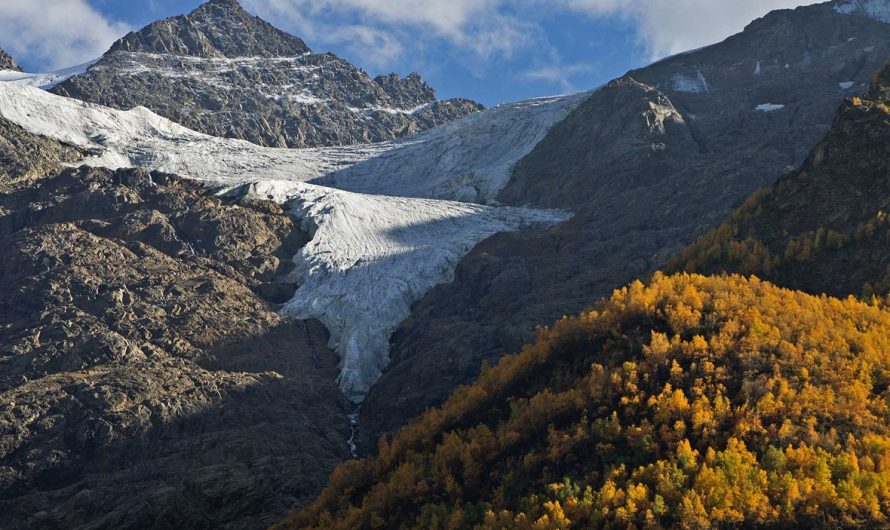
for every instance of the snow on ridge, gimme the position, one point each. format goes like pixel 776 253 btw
pixel 46 80
pixel 372 255
pixel 215 71
pixel 875 9
pixel 468 160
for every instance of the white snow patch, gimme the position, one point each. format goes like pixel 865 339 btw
pixel 769 107
pixel 876 9
pixel 372 255
pixel 218 72
pixel 45 80
pixel 846 85
pixel 305 99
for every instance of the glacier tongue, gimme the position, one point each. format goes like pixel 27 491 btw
pixel 372 255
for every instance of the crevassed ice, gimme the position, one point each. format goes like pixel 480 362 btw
pixel 372 255
pixel 469 160
pixel 46 80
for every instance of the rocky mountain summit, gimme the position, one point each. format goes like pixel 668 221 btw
pixel 222 71
pixel 648 163
pixel 7 62
pixel 147 379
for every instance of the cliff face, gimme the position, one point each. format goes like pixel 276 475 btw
pixel 824 227
pixel 647 163
pixel 221 71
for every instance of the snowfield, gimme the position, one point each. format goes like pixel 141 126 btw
pixel 469 160
pixel 141 138
pixel 382 236
pixel 45 80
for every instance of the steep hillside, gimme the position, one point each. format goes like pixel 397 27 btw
pixel 222 71
pixel 7 62
pixel 147 379
pixel 648 163
pixel 823 228
pixel 692 402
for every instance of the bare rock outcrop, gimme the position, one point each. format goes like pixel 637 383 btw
pixel 222 71
pixel 145 377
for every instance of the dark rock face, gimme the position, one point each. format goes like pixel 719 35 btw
pixel 145 377
pixel 222 71
pixel 824 228
pixel 407 93
pixel 219 28
pixel 648 163
pixel 7 62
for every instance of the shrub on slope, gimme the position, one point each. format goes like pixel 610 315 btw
pixel 692 401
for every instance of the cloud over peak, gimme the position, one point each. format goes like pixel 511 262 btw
pixel 666 27
pixel 56 33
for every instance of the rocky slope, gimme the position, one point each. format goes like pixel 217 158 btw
pixel 690 402
pixel 822 228
pixel 222 71
pixel 7 62
pixel 648 163
pixel 146 378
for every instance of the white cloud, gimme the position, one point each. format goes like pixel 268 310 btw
pixel 449 19
pixel 378 48
pixel 556 74
pixel 476 26
pixel 666 27
pixel 485 29
pixel 55 33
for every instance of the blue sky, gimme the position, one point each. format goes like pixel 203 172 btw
pixel 492 51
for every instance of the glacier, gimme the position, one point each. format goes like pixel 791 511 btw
pixel 45 80
pixel 384 231
pixel 468 160
pixel 372 256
